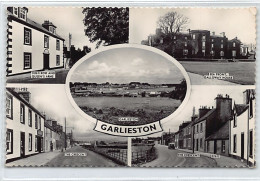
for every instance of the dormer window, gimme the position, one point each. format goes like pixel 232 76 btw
pixel 23 13
pixel 15 11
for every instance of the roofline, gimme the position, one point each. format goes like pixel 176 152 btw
pixel 31 26
pixel 15 94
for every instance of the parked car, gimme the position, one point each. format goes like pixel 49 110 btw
pixel 171 146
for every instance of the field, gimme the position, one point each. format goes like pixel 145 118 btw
pixel 243 72
pixel 109 109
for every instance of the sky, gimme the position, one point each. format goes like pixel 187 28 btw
pixel 203 95
pixel 234 22
pixel 125 65
pixel 67 20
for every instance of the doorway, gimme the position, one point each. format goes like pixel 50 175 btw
pixel 242 145
pixel 22 144
pixel 215 146
pixel 39 144
pixel 46 61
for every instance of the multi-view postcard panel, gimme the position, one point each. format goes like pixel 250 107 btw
pixel 175 88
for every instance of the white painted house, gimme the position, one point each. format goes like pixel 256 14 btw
pixel 31 46
pixel 242 129
pixel 24 126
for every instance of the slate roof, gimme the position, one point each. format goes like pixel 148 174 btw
pixel 15 94
pixel 221 134
pixel 240 108
pixel 205 116
pixel 34 25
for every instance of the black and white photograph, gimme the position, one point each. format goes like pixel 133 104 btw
pixel 43 45
pixel 54 135
pixel 211 132
pixel 128 86
pixel 217 46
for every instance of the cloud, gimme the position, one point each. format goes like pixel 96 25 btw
pixel 137 61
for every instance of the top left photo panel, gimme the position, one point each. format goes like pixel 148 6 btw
pixel 43 43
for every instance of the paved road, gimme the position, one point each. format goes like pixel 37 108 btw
pixel 169 158
pixel 91 159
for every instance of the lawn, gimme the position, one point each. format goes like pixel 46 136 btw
pixel 243 72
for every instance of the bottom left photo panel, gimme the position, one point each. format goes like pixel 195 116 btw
pixel 43 129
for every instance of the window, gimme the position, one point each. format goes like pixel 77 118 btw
pixel 46 41
pixel 27 60
pixel 212 45
pixel 30 142
pixel 30 118
pixel 39 123
pixel 234 53
pixel 222 41
pixel 203 37
pixel 203 44
pixel 9 141
pixel 235 120
pixel 22 13
pixel 201 127
pixel 36 121
pixel 186 37
pixel 36 144
pixel 193 37
pixel 251 108
pixel 58 60
pixel 200 142
pixel 197 128
pixel 51 133
pixel 27 36
pixel 185 44
pixel 235 143
pixel 9 106
pixel 222 53
pixel 221 46
pixel 212 40
pixel 234 44
pixel 22 117
pixel 174 37
pixel 251 143
pixel 223 146
pixel 58 44
pixel 15 11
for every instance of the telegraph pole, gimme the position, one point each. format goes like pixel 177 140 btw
pixel 65 135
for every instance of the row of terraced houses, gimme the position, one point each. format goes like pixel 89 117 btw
pixel 200 44
pixel 224 129
pixel 28 130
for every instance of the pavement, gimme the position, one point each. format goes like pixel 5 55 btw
pixel 169 158
pixel 80 158
pixel 36 160
pixel 222 161
pixel 60 78
pixel 197 79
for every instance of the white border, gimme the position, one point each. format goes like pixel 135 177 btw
pixel 120 46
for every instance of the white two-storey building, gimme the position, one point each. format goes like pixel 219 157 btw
pixel 31 46
pixel 242 129
pixel 24 126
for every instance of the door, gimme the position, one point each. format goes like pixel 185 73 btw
pixel 215 146
pixel 39 144
pixel 46 61
pixel 22 144
pixel 242 145
pixel 197 144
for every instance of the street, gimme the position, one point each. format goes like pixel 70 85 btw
pixel 168 158
pixel 58 159
pixel 91 159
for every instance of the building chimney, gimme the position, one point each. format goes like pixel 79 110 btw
pixel 26 95
pixel 223 34
pixel 193 118
pixel 223 107
pixel 203 110
pixel 213 33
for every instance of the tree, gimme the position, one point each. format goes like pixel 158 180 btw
pixel 106 25
pixel 172 22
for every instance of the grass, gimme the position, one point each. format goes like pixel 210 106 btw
pixel 243 72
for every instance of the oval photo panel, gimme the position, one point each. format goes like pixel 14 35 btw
pixel 128 85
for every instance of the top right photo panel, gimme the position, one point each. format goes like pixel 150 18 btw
pixel 216 46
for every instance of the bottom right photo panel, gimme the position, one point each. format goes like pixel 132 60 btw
pixel 216 128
